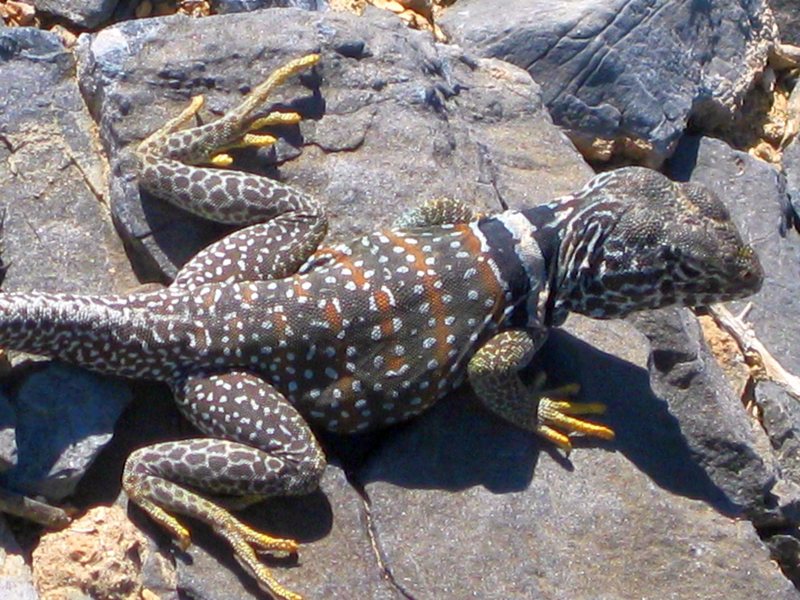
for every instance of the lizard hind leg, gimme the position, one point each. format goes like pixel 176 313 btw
pixel 258 445
pixel 207 144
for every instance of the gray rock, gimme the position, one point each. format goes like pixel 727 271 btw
pixel 65 415
pixel 632 73
pixel 718 431
pixel 791 170
pixel 787 16
pixel 83 13
pixel 234 6
pixel 392 118
pixel 8 436
pixel 464 505
pixel 754 192
pixel 57 234
pixel 16 579
pixel 336 558
pixel 781 417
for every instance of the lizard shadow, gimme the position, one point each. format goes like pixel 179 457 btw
pixel 458 444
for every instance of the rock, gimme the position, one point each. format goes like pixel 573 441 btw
pixel 719 433
pixel 99 556
pixel 791 169
pixel 57 234
pixel 235 6
pixel 781 418
pixel 64 416
pixel 8 436
pixel 335 559
pixel 16 579
pixel 787 16
pixel 625 77
pixel 391 118
pixel 754 192
pixel 83 13
pixel 464 505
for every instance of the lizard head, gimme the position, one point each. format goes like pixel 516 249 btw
pixel 649 242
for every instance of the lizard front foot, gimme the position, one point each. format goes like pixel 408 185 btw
pixel 556 421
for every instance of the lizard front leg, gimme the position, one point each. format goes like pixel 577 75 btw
pixel 494 375
pixel 259 446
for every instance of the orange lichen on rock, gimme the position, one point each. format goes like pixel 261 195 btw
pixel 728 355
pixel 19 14
pixel 101 554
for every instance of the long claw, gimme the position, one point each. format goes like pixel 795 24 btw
pixel 246 542
pixel 555 422
pixel 276 118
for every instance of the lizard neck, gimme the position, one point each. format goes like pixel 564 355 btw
pixel 523 248
pixel 597 270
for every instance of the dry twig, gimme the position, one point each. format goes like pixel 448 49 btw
pixel 756 354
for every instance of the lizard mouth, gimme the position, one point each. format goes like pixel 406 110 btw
pixel 751 274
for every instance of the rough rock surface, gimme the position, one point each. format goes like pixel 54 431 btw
pixel 57 236
pixel 791 169
pixel 629 73
pixel 234 6
pixel 336 557
pixel 99 555
pixel 756 195
pixel 8 435
pixel 781 417
pixel 83 13
pixel 721 437
pixel 64 417
pixel 16 579
pixel 56 232
pixel 633 518
pixel 787 16
pixel 392 118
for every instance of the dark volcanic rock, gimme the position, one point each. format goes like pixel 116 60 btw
pixel 787 16
pixel 721 436
pixel 234 6
pixel 83 13
pixel 629 72
pixel 64 417
pixel 57 235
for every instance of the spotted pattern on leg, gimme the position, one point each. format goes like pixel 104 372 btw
pixel 259 446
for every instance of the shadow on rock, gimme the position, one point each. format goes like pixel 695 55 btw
pixel 646 433
pixel 459 444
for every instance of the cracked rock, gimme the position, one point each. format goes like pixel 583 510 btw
pixel 57 235
pixel 721 436
pixel 83 13
pixel 625 76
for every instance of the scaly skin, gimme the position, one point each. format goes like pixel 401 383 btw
pixel 264 333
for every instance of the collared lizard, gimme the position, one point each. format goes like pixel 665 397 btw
pixel 264 334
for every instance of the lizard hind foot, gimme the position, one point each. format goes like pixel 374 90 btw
pixel 247 543
pixel 556 418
